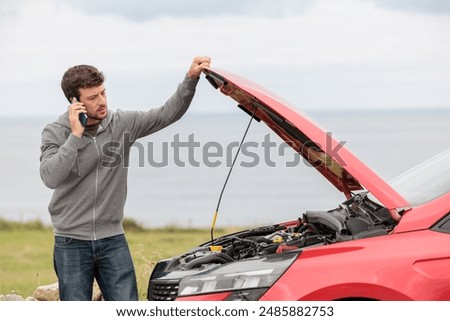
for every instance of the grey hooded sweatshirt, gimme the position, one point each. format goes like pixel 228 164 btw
pixel 88 174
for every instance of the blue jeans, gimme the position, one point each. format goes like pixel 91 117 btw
pixel 108 260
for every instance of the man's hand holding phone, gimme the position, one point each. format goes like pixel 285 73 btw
pixel 77 117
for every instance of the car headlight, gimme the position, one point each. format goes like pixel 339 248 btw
pixel 253 273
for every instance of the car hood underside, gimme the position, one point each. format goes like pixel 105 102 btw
pixel 336 163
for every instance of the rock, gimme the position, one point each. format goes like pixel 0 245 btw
pixel 47 292
pixel 51 293
pixel 96 293
pixel 11 297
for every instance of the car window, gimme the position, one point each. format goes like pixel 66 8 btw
pixel 426 181
pixel 443 225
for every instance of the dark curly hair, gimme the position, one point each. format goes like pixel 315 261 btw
pixel 81 76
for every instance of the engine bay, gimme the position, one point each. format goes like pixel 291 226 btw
pixel 358 217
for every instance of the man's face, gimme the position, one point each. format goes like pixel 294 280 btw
pixel 94 99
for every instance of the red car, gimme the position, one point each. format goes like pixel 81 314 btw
pixel 384 242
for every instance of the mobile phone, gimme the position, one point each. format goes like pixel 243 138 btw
pixel 83 119
pixel 82 116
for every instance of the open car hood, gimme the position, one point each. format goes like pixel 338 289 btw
pixel 346 172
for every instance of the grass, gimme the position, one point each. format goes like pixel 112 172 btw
pixel 26 251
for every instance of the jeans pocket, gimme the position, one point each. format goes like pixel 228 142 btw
pixel 61 241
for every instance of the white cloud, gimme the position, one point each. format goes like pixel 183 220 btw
pixel 347 49
pixel 142 10
pixel 417 6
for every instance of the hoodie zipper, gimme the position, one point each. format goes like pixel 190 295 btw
pixel 94 212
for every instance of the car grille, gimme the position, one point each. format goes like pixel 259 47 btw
pixel 163 291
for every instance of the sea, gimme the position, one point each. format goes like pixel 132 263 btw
pixel 180 175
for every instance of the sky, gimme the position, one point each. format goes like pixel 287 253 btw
pixel 316 54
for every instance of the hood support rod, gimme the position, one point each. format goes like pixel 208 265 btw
pixel 228 176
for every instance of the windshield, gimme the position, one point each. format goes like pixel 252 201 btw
pixel 426 181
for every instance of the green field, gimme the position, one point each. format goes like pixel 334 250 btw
pixel 26 253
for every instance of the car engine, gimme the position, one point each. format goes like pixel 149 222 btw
pixel 357 218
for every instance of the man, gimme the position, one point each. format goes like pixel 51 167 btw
pixel 90 189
